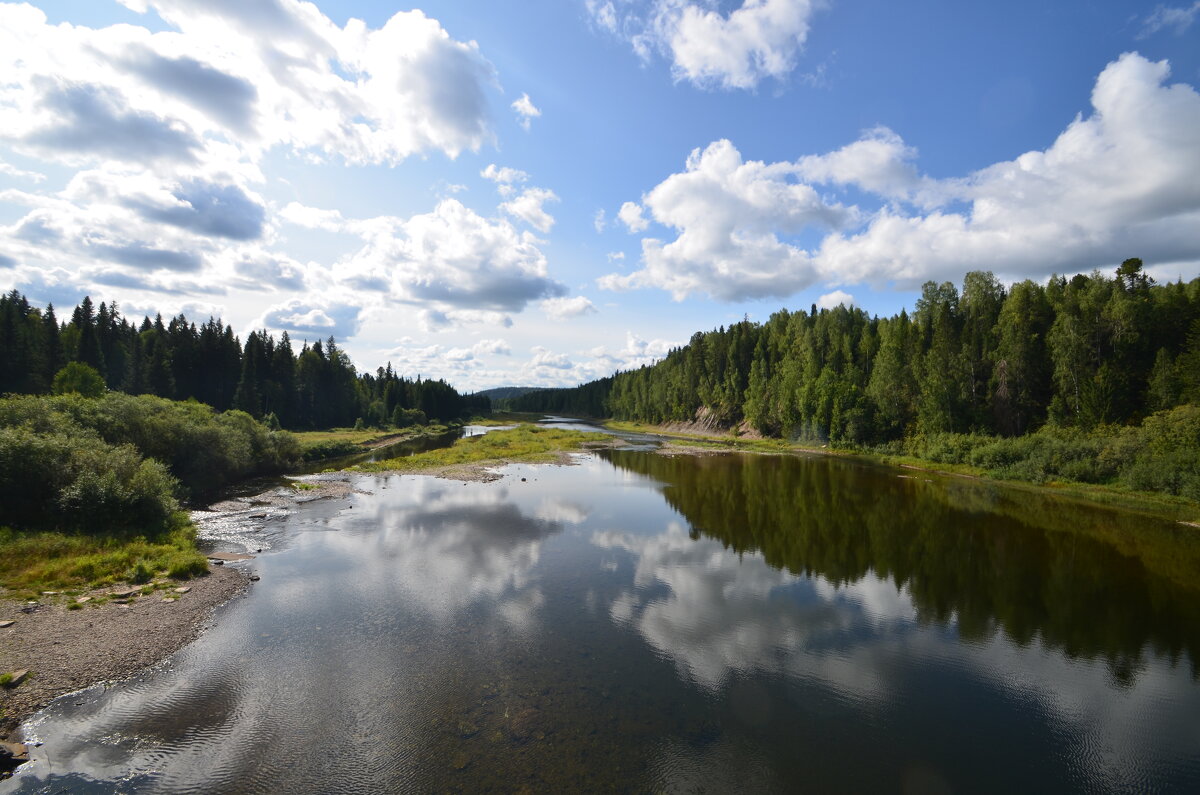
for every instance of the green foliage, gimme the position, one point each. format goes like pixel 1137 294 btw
pixel 79 378
pixel 318 387
pixel 1067 360
pixel 110 460
pixel 406 418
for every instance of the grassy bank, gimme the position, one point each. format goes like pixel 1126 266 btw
pixel 32 562
pixel 950 454
pixel 527 443
pixel 339 442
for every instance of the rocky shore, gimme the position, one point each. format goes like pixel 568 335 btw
pixel 110 636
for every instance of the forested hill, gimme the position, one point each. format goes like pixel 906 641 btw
pixel 319 387
pixel 1079 352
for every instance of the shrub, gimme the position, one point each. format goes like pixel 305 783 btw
pixel 79 378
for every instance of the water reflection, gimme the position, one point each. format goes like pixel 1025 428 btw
pixel 1090 581
pixel 772 621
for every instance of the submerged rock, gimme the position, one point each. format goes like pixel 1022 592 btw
pixel 12 755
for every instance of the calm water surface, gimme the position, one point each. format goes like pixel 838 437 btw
pixel 673 624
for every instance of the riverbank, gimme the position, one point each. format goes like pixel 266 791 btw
pixel 67 645
pixel 476 457
pixel 340 442
pixel 693 441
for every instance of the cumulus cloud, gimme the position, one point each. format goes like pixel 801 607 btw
pixel 729 215
pixel 835 299
pixel 1116 183
pixel 304 318
pixel 529 207
pixel 599 221
pixel 630 214
pixel 526 111
pixel 565 308
pixel 506 178
pixel 450 258
pixel 709 47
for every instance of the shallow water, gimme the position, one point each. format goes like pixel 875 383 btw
pixel 650 623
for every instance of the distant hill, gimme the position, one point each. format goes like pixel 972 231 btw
pixel 507 392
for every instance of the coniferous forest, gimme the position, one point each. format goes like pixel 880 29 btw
pixel 265 377
pixel 1065 364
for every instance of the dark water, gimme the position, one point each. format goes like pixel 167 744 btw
pixel 653 624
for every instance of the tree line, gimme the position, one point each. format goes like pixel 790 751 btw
pixel 265 377
pixel 1081 352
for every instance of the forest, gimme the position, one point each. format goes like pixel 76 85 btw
pixel 178 360
pixel 1030 381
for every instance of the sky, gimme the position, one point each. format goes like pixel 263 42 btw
pixel 541 193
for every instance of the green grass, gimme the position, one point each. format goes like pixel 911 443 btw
pixel 300 485
pixel 528 443
pixel 32 562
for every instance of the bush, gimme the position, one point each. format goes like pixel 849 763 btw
pixel 81 484
pixel 202 448
pixel 79 378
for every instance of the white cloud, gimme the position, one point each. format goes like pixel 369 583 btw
pixel 564 308
pixel 449 259
pixel 528 206
pixel 506 178
pixel 313 319
pixel 1117 183
pixel 630 214
pixel 616 256
pixel 729 214
pixel 835 299
pixel 1178 19
pixel 879 162
pixel 526 111
pixel 708 47
pixel 366 95
pixel 8 169
pixel 599 221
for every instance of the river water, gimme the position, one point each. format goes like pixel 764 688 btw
pixel 649 623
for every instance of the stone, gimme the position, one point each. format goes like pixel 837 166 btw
pixel 49 593
pixel 229 557
pixel 168 598
pixel 6 623
pixel 125 593
pixel 183 589
pixel 254 578
pixel 17 677
pixel 12 755
pixel 83 600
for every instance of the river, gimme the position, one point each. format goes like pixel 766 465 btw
pixel 651 623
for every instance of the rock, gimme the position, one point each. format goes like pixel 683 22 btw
pixel 49 593
pixel 5 624
pixel 254 578
pixel 183 589
pixel 522 480
pixel 168 598
pixel 460 761
pixel 17 677
pixel 125 593
pixel 12 755
pixel 83 600
pixel 216 562
pixel 258 516
pixel 228 557
pixel 467 729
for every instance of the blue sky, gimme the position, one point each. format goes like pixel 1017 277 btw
pixel 542 193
